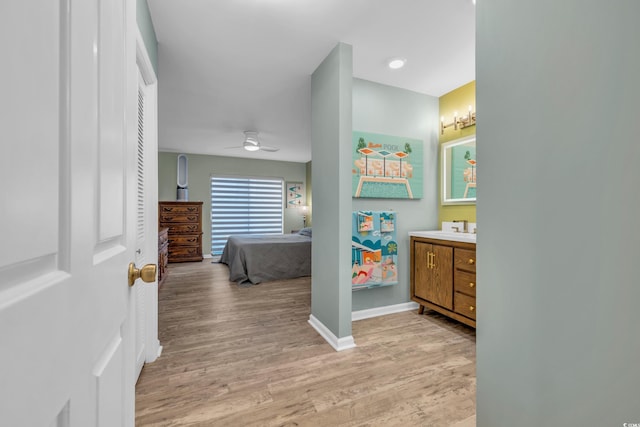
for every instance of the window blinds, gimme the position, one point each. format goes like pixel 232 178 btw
pixel 244 205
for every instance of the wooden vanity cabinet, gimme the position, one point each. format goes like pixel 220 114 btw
pixel 443 277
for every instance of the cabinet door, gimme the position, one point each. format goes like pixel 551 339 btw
pixel 440 290
pixel 433 269
pixel 422 272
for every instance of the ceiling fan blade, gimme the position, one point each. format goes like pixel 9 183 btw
pixel 267 148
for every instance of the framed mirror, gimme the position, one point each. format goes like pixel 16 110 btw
pixel 459 171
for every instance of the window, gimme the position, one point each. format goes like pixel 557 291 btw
pixel 242 205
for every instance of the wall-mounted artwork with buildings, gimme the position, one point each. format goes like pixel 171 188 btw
pixel 374 250
pixel 386 167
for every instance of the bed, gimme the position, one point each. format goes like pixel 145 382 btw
pixel 253 259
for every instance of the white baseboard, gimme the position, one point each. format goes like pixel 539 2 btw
pixel 207 256
pixel 381 311
pixel 338 344
pixel 154 352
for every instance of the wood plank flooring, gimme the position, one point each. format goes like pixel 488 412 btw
pixel 246 356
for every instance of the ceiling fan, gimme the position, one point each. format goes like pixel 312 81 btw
pixel 251 143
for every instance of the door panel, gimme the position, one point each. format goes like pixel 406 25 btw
pixel 66 212
pixel 108 378
pixel 36 182
pixel 442 291
pixel 34 256
pixel 112 136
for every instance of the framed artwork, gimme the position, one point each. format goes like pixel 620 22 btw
pixel 295 194
pixel 459 171
pixel 386 167
pixel 374 250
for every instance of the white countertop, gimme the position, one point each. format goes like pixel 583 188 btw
pixel 445 235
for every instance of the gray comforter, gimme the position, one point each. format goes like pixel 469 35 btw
pixel 262 258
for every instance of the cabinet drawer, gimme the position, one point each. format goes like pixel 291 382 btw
pixel 173 209
pixel 465 305
pixel 465 259
pixel 465 282
pixel 185 239
pixel 182 228
pixel 169 217
pixel 184 251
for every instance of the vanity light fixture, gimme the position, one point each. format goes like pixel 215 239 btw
pixel 459 122
pixel 396 63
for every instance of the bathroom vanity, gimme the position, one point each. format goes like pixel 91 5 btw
pixel 443 273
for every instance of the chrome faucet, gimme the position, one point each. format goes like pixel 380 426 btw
pixel 464 225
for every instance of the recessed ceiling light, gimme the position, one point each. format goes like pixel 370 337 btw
pixel 396 63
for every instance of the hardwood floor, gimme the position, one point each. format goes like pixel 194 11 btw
pixel 246 356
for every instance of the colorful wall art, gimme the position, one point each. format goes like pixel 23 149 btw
pixel 374 250
pixel 295 194
pixel 386 167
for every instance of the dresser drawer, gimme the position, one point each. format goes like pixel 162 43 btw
pixel 464 282
pixel 182 228
pixel 173 218
pixel 464 259
pixel 176 209
pixel 465 305
pixel 185 239
pixel 184 251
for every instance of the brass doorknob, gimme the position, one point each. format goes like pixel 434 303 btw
pixel 471 284
pixel 471 308
pixel 146 273
pixel 471 261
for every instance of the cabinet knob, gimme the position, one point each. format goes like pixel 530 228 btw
pixel 471 308
pixel 471 261
pixel 471 284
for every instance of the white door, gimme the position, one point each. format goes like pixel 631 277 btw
pixel 145 295
pixel 67 212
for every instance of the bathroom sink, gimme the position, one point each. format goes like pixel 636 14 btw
pixel 445 235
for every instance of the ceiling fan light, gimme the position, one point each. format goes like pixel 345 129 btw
pixel 251 146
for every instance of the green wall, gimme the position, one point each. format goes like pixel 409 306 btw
pixel 331 94
pixel 309 194
pixel 558 340
pixel 201 167
pixel 388 110
pixel 458 100
pixel 145 24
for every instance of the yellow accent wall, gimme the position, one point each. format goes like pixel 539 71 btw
pixel 458 100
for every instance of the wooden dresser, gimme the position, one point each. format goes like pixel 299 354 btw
pixel 184 221
pixel 163 254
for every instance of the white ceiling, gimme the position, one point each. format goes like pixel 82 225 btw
pixel 226 66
